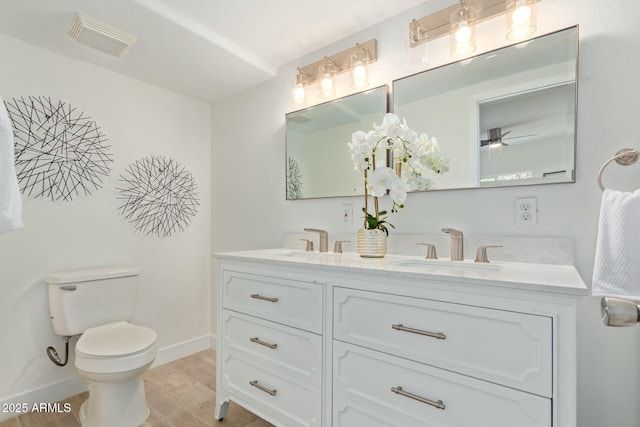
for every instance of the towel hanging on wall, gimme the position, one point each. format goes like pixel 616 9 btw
pixel 616 270
pixel 10 202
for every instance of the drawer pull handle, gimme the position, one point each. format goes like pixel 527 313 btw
pixel 398 390
pixel 266 344
pixel 258 296
pixel 437 335
pixel 263 388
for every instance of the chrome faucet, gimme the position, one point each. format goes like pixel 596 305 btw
pixel 457 244
pixel 324 238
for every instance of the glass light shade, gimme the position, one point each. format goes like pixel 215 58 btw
pixel 359 68
pixel 299 91
pixel 416 53
pixel 327 76
pixel 463 31
pixel 521 19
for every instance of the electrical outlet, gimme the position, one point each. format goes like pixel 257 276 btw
pixel 526 212
pixel 347 215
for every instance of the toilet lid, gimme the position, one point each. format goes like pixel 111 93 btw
pixel 115 340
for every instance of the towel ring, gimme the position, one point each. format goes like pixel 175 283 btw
pixel 624 157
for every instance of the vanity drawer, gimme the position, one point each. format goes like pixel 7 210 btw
pixel 293 403
pixel 277 347
pixel 504 347
pixel 290 302
pixel 426 396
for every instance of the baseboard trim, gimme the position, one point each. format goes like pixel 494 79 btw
pixel 75 385
pixel 182 349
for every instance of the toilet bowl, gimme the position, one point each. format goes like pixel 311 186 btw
pixel 111 353
pixel 112 359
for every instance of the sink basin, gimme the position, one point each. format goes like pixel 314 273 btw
pixel 308 255
pixel 442 264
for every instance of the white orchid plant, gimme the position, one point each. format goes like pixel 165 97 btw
pixel 413 156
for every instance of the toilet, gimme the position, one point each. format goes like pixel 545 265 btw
pixel 111 354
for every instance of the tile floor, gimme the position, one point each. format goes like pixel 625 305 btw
pixel 180 394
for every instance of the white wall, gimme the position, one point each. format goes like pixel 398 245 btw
pixel 139 120
pixel 249 209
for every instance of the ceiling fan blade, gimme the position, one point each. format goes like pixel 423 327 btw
pixel 523 136
pixel 506 133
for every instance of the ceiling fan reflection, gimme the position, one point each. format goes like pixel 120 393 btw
pixel 495 138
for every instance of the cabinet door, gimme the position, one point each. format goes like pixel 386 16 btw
pixel 277 347
pixel 404 393
pixel 504 347
pixel 290 302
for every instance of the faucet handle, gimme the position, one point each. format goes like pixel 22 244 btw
pixel 431 250
pixel 481 253
pixel 337 246
pixel 309 247
pixel 324 238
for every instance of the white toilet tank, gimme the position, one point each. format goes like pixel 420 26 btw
pixel 83 299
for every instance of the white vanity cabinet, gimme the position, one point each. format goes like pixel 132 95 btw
pixel 270 346
pixel 376 343
pixel 466 356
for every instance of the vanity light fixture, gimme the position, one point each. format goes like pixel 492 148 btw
pixel 327 73
pixel 299 92
pixel 359 67
pixel 356 60
pixel 458 21
pixel 417 53
pixel 462 31
pixel 521 19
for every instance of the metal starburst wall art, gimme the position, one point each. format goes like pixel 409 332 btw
pixel 158 196
pixel 60 152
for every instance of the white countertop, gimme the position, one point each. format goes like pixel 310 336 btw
pixel 539 277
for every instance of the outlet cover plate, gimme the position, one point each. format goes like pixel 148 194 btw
pixel 347 215
pixel 526 212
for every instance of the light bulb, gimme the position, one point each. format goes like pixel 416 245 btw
pixel 298 94
pixel 327 85
pixel 521 15
pixel 521 19
pixel 463 33
pixel 359 74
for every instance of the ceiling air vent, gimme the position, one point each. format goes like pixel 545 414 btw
pixel 98 35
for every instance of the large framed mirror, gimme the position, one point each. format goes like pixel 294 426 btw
pixel 318 163
pixel 505 118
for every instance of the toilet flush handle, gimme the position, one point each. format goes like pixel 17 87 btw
pixel 68 287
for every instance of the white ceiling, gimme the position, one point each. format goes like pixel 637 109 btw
pixel 207 49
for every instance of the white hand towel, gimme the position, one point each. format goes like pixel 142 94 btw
pixel 10 202
pixel 616 271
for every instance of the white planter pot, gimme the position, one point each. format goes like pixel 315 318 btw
pixel 372 243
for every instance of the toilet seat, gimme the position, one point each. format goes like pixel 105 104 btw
pixel 119 339
pixel 115 347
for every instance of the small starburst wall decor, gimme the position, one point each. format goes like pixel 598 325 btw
pixel 60 152
pixel 158 196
